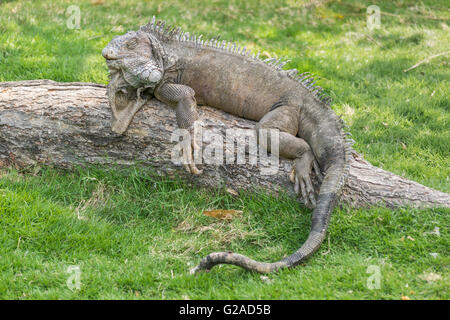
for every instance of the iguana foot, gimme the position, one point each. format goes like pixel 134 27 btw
pixel 301 177
pixel 188 155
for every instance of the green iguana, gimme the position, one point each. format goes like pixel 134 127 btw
pixel 184 70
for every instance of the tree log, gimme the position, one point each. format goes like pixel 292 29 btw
pixel 62 124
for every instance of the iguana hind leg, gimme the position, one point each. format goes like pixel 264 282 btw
pixel 285 119
pixel 182 97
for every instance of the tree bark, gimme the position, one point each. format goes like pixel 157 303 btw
pixel 62 124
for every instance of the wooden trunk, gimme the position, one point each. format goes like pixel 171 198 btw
pixel 62 124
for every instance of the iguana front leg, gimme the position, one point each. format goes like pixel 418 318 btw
pixel 182 97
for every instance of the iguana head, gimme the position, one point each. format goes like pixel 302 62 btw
pixel 138 56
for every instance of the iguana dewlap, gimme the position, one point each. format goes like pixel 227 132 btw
pixel 183 70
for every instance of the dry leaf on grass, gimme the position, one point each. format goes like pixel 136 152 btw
pixel 222 214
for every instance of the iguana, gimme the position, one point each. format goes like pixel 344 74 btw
pixel 184 70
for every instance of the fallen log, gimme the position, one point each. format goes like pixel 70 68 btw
pixel 63 124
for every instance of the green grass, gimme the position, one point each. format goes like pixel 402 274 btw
pixel 135 235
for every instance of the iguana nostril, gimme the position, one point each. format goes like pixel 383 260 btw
pixel 105 52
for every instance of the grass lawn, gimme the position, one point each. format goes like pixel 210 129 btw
pixel 134 235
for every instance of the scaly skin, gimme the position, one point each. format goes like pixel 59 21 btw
pixel 184 71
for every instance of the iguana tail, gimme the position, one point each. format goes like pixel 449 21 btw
pixel 334 179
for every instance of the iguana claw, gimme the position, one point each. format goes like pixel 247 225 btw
pixel 188 155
